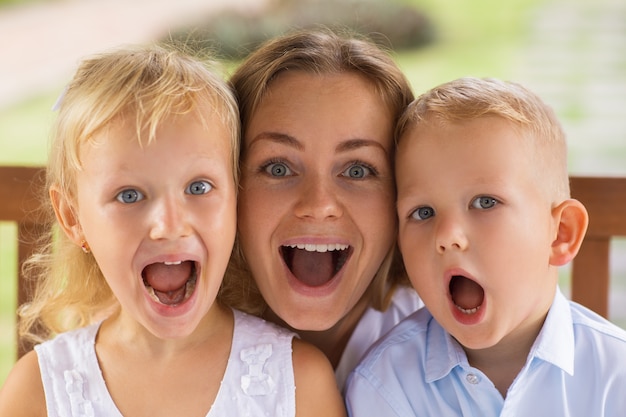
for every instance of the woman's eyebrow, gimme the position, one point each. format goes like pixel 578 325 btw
pixel 276 137
pixel 352 144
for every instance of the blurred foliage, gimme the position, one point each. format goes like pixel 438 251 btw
pixel 233 34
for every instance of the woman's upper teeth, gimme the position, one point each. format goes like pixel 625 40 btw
pixel 310 247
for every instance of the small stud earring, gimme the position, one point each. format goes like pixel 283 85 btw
pixel 85 246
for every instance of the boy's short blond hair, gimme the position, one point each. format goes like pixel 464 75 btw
pixel 469 98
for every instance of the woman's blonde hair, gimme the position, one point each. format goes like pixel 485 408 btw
pixel 319 51
pixel 470 98
pixel 150 84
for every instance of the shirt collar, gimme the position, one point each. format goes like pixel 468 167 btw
pixel 554 344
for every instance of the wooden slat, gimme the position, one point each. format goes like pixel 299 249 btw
pixel 605 200
pixel 19 193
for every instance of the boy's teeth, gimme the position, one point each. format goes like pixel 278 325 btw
pixel 173 263
pixel 309 247
pixel 467 310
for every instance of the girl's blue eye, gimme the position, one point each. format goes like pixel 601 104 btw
pixel 129 196
pixel 484 203
pixel 423 213
pixel 358 171
pixel 198 188
pixel 277 169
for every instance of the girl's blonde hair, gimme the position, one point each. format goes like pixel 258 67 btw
pixel 470 98
pixel 150 84
pixel 320 51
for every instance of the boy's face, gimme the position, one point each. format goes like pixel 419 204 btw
pixel 160 219
pixel 476 230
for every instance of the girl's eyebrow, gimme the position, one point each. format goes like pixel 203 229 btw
pixel 276 137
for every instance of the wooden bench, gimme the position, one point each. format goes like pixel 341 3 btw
pixel 604 197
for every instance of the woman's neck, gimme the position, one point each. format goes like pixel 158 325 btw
pixel 332 342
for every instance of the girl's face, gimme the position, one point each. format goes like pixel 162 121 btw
pixel 159 218
pixel 316 209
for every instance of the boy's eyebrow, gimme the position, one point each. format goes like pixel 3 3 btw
pixel 277 137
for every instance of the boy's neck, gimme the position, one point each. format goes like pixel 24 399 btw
pixel 502 362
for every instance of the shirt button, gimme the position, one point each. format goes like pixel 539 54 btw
pixel 472 379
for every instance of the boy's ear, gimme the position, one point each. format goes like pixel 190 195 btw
pixel 571 219
pixel 66 215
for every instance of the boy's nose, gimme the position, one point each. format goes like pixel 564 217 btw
pixel 450 236
pixel 317 199
pixel 169 219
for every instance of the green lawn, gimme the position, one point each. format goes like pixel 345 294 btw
pixel 480 38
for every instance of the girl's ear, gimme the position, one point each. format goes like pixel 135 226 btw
pixel 66 215
pixel 571 218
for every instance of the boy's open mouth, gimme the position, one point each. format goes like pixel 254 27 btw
pixel 170 283
pixel 467 295
pixel 315 265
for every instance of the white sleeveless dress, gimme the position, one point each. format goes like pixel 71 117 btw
pixel 258 380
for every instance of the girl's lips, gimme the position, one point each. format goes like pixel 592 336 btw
pixel 170 283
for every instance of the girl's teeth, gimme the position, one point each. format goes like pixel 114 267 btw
pixel 173 263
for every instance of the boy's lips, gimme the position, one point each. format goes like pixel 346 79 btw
pixel 315 265
pixel 466 294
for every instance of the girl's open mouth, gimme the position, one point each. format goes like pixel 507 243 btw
pixel 170 283
pixel 315 265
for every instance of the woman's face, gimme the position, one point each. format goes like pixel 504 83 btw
pixel 317 205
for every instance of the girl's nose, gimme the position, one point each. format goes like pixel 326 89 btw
pixel 169 219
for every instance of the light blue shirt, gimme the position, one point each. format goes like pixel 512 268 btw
pixel 576 367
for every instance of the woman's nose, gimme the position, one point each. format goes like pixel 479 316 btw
pixel 318 199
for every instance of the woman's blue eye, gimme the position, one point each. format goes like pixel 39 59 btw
pixel 129 196
pixel 277 169
pixel 198 188
pixel 423 213
pixel 484 203
pixel 358 171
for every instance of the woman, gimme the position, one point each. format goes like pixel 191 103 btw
pixel 316 219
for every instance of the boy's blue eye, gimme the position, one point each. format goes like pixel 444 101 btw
pixel 484 203
pixel 423 213
pixel 129 196
pixel 277 169
pixel 198 188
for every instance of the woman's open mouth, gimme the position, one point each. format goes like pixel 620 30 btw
pixel 467 295
pixel 315 265
pixel 170 283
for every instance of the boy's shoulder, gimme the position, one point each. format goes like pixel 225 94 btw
pixel 588 325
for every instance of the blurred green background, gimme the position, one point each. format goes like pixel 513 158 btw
pixel 572 52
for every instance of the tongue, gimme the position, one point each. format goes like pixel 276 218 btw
pixel 312 268
pixel 466 293
pixel 168 281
